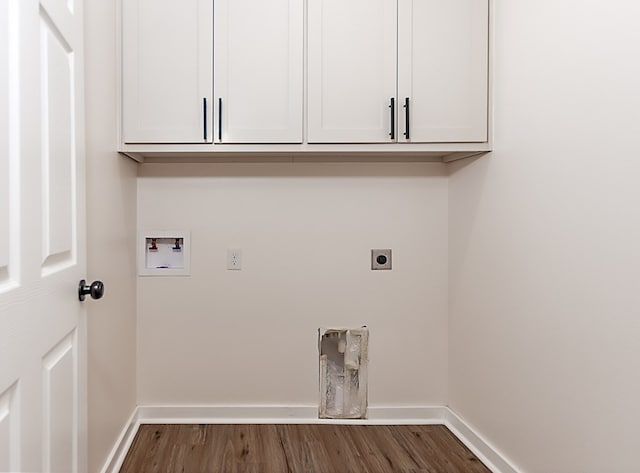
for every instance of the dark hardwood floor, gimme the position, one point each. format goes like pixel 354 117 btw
pixel 298 449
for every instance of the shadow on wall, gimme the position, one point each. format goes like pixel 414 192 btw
pixel 470 175
pixel 364 169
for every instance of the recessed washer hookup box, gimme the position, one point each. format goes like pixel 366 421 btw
pixel 164 253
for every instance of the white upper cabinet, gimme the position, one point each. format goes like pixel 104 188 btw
pixel 351 70
pixel 167 71
pixel 216 77
pixel 258 71
pixel 443 70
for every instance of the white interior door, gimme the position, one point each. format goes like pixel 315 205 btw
pixel 42 237
pixel 443 48
pixel 258 70
pixel 351 70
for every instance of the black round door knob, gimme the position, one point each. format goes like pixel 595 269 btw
pixel 95 290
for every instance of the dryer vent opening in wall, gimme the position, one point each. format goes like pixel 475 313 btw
pixel 343 373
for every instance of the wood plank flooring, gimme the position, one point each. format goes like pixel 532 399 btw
pixel 298 449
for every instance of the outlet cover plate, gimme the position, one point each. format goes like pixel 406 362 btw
pixel 380 259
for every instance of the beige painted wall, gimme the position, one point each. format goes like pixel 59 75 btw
pixel 545 244
pixel 111 219
pixel 250 337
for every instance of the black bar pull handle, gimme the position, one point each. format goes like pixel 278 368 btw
pixel 204 114
pixel 392 106
pixel 219 118
pixel 406 118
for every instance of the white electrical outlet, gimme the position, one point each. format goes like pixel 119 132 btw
pixel 234 259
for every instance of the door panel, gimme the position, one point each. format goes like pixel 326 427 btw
pixel 5 119
pixel 58 157
pixel 8 119
pixel 5 221
pixel 9 433
pixel 443 69
pixel 60 17
pixel 259 70
pixel 5 436
pixel 352 70
pixel 59 387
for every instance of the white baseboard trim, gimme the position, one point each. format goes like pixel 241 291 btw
pixel 482 449
pixel 125 439
pixel 303 414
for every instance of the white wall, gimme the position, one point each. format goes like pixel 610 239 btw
pixel 111 219
pixel 306 230
pixel 545 243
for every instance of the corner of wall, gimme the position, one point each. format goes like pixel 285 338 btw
pixel 111 230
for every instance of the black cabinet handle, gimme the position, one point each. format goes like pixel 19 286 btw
pixel 406 117
pixel 204 114
pixel 392 106
pixel 219 118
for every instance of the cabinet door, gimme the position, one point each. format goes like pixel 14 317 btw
pixel 443 70
pixel 351 70
pixel 258 71
pixel 167 71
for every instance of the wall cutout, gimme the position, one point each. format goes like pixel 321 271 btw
pixel 343 373
pixel 164 253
